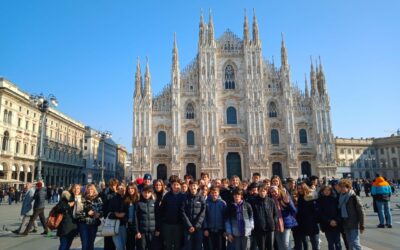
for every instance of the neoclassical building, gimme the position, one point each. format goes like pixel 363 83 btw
pixel 232 112
pixel 20 136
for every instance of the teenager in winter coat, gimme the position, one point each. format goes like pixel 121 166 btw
pixel 329 218
pixel 307 218
pixel 265 218
pixel 286 216
pixel 89 217
pixel 214 225
pixel 239 221
pixel 68 229
pixel 146 219
pixel 193 212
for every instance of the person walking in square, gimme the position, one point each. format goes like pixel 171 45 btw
pixel 381 191
pixel 38 209
pixel 27 209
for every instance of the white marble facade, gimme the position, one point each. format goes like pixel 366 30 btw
pixel 231 112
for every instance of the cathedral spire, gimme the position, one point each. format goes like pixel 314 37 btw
pixel 175 61
pixel 284 58
pixel 201 29
pixel 313 79
pixel 210 29
pixel 321 78
pixel 147 85
pixel 138 80
pixel 306 86
pixel 245 29
pixel 255 28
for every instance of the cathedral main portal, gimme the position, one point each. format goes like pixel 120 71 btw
pixel 233 165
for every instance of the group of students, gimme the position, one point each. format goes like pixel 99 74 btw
pixel 218 214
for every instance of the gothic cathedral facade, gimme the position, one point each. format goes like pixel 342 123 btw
pixel 231 112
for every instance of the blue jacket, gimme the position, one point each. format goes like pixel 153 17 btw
pixel 231 223
pixel 288 215
pixel 26 208
pixel 381 193
pixel 215 213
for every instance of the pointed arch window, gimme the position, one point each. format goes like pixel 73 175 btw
pixel 274 137
pixel 189 111
pixel 272 110
pixel 162 139
pixel 303 136
pixel 190 138
pixel 231 117
pixel 6 141
pixel 229 77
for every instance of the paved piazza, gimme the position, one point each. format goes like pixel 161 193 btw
pixel 373 238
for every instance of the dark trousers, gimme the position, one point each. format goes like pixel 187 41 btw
pixel 346 244
pixel 333 238
pixel 109 243
pixel 65 243
pixel 144 243
pixel 88 235
pixel 37 212
pixel 172 236
pixel 300 242
pixel 130 239
pixel 193 241
pixel 215 241
pixel 264 239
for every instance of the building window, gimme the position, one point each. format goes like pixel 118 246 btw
pixel 393 150
pixel 349 151
pixel 189 111
pixel 17 147
pixel 32 150
pixel 357 151
pixel 229 77
pixel 25 148
pixel 382 151
pixel 6 141
pixel 190 138
pixel 303 136
pixel 34 127
pixel 85 148
pixel 342 150
pixel 19 122
pixel 272 110
pixel 9 117
pixel 274 137
pixel 231 116
pixel 5 117
pixel 162 139
pixel 394 162
pixel 26 124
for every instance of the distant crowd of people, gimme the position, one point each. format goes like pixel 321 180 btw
pixel 210 214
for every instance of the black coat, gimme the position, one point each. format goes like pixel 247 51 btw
pixel 40 198
pixel 145 216
pixel 307 217
pixel 328 210
pixel 68 227
pixel 193 211
pixel 118 205
pixel 265 214
pixel 169 210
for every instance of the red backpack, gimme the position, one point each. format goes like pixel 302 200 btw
pixel 54 219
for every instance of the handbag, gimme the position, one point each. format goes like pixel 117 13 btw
pixel 110 227
pixel 54 219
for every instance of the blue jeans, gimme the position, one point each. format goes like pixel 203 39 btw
pixel 282 239
pixel 193 240
pixel 384 212
pixel 88 235
pixel 65 243
pixel 120 239
pixel 353 239
pixel 333 238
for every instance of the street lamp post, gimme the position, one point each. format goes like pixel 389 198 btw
pixel 103 136
pixel 43 104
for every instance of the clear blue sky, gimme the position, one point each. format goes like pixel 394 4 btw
pixel 84 52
